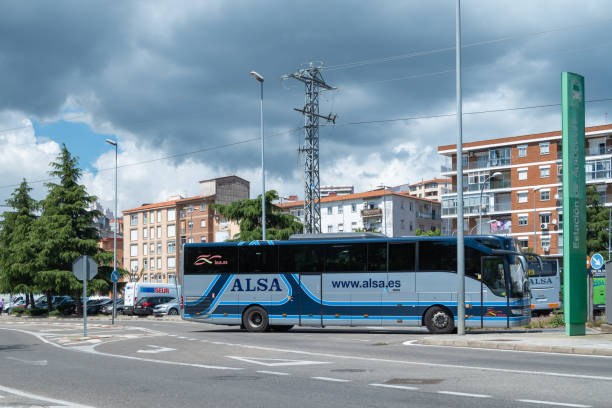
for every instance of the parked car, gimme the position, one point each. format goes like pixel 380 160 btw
pixel 145 305
pixel 95 306
pixel 170 308
pixel 108 308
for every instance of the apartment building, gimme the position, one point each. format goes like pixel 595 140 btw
pixel 327 191
pixel 391 213
pixel 515 183
pixel 156 232
pixel 431 189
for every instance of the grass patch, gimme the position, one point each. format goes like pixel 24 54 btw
pixel 546 322
pixel 56 313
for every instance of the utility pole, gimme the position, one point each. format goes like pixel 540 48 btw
pixel 314 83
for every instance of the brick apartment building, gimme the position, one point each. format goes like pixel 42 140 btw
pixel 156 232
pixel 431 189
pixel 394 214
pixel 520 177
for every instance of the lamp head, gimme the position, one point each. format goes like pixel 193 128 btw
pixel 112 142
pixel 257 76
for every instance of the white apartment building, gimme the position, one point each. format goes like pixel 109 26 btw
pixel 393 214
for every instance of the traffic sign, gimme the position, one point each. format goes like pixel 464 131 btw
pixel 84 265
pixel 115 276
pixel 597 261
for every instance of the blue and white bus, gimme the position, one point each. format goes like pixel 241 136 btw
pixel 354 280
pixel 545 285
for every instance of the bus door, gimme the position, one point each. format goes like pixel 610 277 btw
pixel 493 292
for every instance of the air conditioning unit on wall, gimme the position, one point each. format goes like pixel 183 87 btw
pixel 544 225
pixel 546 248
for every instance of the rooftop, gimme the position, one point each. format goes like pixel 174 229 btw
pixel 367 194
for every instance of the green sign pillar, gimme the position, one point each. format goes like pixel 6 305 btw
pixel 574 206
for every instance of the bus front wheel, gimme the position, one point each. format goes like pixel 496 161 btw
pixel 439 320
pixel 255 319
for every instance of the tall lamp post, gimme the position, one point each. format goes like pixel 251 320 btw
pixel 114 143
pixel 535 218
pixel 260 79
pixel 486 180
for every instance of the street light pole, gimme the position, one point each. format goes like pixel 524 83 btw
pixel 460 232
pixel 114 143
pixel 260 79
pixel 486 180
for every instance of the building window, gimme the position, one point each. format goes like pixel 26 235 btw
pixel 159 248
pixel 152 232
pixel 190 240
pixel 545 218
pixel 340 227
pixel 145 217
pixel 182 213
pixel 353 225
pixel 354 207
pixel 171 215
pixel 172 278
pixel 144 233
pixel 145 264
pixel 522 150
pixel 171 247
pixel 145 278
pixel 340 209
pixel 545 242
pixel 522 219
pixel 183 240
pixel 544 148
pixel 203 239
pixel 133 250
pixel 202 223
pixel 523 243
pixel 544 195
pixel 544 172
pixel 171 231
pixel 330 228
pixel 145 249
pixel 134 265
pixel 411 210
pixel 152 217
pixel 159 232
pixel 134 219
pixel 402 224
pixel 411 226
pixel 203 207
pixel 522 174
pixel 329 210
pixel 171 262
pixel 134 235
pixel 523 197
pixel 152 248
pixel 152 263
pixel 159 266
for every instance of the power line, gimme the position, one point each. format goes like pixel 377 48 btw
pixel 447 49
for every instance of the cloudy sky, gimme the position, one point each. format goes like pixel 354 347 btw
pixel 170 81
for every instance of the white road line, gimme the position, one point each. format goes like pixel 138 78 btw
pixel 330 379
pixel 38 397
pixel 561 404
pixel 464 394
pixel 272 372
pixel 397 387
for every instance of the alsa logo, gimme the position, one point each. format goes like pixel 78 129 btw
pixel 261 285
pixel 540 281
pixel 210 260
pixel 162 290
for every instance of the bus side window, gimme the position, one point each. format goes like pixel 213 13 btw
pixel 300 258
pixel 211 260
pixel 402 257
pixel 345 258
pixel 437 256
pixel 258 258
pixel 377 257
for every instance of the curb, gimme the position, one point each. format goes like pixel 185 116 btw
pixel 494 345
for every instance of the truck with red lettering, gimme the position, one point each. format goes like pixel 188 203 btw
pixel 136 290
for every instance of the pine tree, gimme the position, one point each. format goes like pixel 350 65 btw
pixel 65 231
pixel 17 251
pixel 247 213
pixel 597 223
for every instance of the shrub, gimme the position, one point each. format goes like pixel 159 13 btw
pixel 18 311
pixel 56 313
pixel 36 312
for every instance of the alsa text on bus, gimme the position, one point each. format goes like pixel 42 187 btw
pixel 261 285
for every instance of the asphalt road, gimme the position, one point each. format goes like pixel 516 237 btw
pixel 148 363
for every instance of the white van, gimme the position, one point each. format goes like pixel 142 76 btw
pixel 136 290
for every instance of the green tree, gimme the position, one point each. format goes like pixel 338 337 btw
pixel 597 223
pixel 434 233
pixel 66 230
pixel 17 251
pixel 247 212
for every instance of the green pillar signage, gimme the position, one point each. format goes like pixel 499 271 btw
pixel 574 206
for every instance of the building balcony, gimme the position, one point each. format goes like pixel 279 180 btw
pixel 480 163
pixel 371 213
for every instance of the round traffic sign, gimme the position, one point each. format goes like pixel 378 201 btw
pixel 597 261
pixel 115 276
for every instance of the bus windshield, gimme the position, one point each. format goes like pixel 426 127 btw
pixel 550 269
pixel 517 277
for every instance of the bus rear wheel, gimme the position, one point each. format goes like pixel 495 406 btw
pixel 439 320
pixel 255 319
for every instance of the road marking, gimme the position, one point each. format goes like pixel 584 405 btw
pixel 464 394
pixel 561 404
pixel 272 372
pixel 398 387
pixel 330 379
pixel 276 362
pixel 30 362
pixel 38 397
pixel 156 349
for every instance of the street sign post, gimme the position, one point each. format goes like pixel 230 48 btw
pixel 115 279
pixel 84 268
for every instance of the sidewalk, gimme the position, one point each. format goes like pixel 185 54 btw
pixel 595 342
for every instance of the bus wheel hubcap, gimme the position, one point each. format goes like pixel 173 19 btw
pixel 256 319
pixel 440 320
